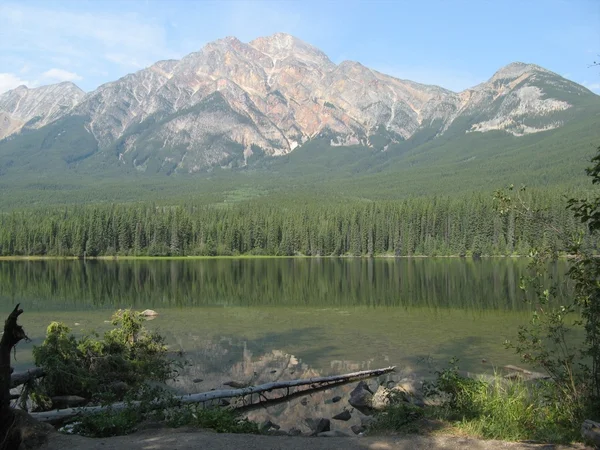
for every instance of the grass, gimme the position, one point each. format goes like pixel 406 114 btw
pixel 512 411
pixel 500 409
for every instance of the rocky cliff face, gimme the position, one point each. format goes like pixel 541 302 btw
pixel 34 108
pixel 231 100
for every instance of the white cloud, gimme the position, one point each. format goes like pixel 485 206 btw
pixel 61 75
pixel 10 81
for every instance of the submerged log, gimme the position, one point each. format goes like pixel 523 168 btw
pixel 312 383
pixel 17 379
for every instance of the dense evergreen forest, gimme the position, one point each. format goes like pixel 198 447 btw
pixel 467 225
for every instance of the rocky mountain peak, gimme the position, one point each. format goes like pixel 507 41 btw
pixel 20 106
pixel 231 100
pixel 515 70
pixel 281 46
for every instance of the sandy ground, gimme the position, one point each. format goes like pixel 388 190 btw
pixel 187 439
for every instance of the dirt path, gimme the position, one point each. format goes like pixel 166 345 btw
pixel 187 439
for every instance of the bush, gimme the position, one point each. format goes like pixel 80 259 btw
pixel 90 366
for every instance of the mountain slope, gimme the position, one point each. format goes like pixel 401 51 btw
pixel 235 105
pixel 34 108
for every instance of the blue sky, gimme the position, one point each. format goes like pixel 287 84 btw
pixel 454 44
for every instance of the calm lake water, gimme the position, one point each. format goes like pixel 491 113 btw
pixel 268 319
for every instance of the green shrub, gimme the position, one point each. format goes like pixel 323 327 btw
pixel 398 417
pixel 91 366
pixel 222 420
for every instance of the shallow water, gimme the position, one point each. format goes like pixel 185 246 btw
pixel 259 320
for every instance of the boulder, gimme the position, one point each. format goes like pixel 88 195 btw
pixel 318 425
pixel 361 398
pixel 410 391
pixel 148 313
pixel 269 426
pixel 381 398
pixel 358 429
pixel 344 415
pixel 365 421
pixel 591 432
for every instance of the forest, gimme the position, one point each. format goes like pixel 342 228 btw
pixel 467 225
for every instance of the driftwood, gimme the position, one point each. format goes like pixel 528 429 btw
pixel 520 373
pixel 17 379
pixel 590 430
pixel 312 383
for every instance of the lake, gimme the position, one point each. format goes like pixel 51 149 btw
pixel 282 318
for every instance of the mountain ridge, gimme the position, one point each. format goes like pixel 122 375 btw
pixel 233 101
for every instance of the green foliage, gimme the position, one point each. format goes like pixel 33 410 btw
pixel 399 416
pixel 155 404
pixel 502 409
pixel 550 340
pixel 89 366
pixel 222 420
pixel 108 423
pixel 466 225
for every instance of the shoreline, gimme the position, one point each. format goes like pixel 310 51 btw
pixel 198 257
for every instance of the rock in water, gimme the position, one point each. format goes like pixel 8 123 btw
pixel 148 313
pixel 357 429
pixel 318 425
pixel 344 415
pixel 361 398
pixel 381 398
pixel 236 384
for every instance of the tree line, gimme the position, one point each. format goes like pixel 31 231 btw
pixel 468 225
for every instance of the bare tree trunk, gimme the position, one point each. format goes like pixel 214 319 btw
pixel 19 378
pixel 287 389
pixel 13 333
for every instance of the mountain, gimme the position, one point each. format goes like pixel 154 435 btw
pixel 24 108
pixel 234 104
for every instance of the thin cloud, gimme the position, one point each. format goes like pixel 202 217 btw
pixel 79 36
pixel 10 81
pixel 61 75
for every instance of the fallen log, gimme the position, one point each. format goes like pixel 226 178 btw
pixel 17 379
pixel 60 415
